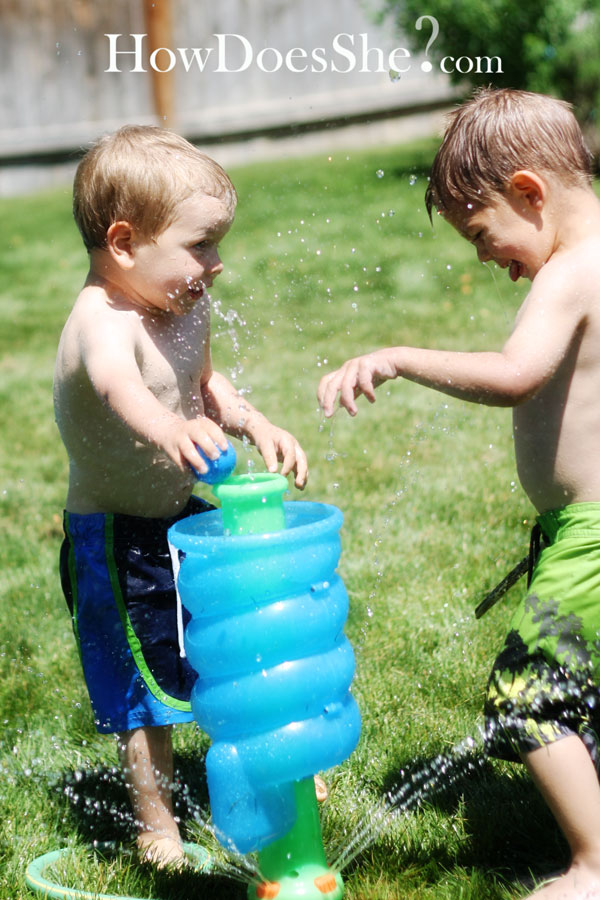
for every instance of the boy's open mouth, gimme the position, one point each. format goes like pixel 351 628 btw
pixel 196 290
pixel 515 270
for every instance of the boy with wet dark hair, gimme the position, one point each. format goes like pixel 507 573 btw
pixel 513 176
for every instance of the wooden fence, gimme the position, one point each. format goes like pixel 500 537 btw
pixel 244 67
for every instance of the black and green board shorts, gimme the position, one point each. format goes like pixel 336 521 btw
pixel 545 683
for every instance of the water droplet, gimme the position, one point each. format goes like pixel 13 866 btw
pixel 380 173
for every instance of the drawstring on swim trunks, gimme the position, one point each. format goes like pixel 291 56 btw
pixel 176 565
pixel 535 543
pixel 527 564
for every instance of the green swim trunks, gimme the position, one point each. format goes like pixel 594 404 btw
pixel 545 684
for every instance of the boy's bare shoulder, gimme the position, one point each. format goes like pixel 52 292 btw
pixel 95 308
pixel 102 322
pixel 572 274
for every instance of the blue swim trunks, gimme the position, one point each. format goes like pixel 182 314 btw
pixel 117 578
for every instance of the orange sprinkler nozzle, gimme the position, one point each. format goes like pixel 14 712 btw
pixel 268 889
pixel 326 883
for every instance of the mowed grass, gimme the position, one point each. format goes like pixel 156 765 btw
pixel 329 257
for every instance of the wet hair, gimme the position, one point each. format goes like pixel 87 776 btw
pixel 140 174
pixel 496 133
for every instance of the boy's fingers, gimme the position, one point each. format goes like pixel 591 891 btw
pixel 209 437
pixel 323 393
pixel 329 387
pixel 348 389
pixel 295 459
pixel 286 451
pixel 216 433
pixel 355 377
pixel 270 456
pixel 326 385
pixel 193 457
pixel 365 384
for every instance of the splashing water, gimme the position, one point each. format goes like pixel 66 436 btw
pixel 492 269
pixel 89 793
pixel 331 454
pixel 96 795
pixel 407 796
pixel 227 322
pixel 564 691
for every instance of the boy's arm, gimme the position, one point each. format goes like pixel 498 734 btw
pixel 109 358
pixel 547 324
pixel 224 405
pixel 110 361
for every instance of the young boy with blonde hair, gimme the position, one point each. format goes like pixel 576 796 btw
pixel 513 176
pixel 135 397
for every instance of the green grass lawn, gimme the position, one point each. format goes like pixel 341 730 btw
pixel 329 257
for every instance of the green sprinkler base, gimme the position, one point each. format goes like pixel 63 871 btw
pixel 35 875
pixel 295 865
pixel 310 882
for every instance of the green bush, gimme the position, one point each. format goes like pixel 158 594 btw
pixel 550 46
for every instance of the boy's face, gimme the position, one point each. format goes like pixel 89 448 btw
pixel 507 231
pixel 172 271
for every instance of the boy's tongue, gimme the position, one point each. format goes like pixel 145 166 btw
pixel 514 270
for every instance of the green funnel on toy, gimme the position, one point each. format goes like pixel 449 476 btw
pixel 252 504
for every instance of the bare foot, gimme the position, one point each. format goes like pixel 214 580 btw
pixel 320 789
pixel 578 883
pixel 162 852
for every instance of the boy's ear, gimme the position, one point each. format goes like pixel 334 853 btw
pixel 528 186
pixel 120 244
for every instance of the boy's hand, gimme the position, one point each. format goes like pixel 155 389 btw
pixel 224 404
pixel 360 375
pixel 275 444
pixel 182 437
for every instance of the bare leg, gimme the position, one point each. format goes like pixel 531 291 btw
pixel 146 756
pixel 320 789
pixel 567 779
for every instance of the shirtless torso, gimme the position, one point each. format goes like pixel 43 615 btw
pixel 112 468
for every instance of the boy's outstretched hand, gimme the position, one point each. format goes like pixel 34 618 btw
pixel 360 375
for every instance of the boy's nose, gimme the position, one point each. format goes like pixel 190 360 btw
pixel 216 266
pixel 483 255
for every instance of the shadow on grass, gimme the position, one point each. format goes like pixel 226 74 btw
pixel 506 828
pixel 98 809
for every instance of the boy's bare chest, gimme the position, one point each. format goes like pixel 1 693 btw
pixel 171 362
